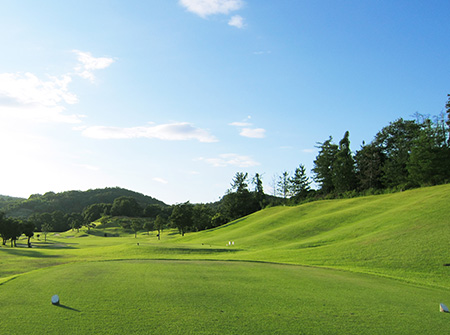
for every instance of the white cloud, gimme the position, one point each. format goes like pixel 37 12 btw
pixel 236 21
pixel 231 160
pixel 181 131
pixel 160 180
pixel 204 8
pixel 253 132
pixel 25 96
pixel 249 132
pixel 89 167
pixel 88 64
pixel 240 124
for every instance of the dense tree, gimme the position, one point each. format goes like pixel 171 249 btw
pixel 283 185
pixel 395 142
pixel 299 183
pixel 369 161
pixel 181 217
pixel 323 166
pixel 218 220
pixel 59 221
pixel 75 221
pixel 430 156
pixel 201 217
pixel 28 229
pixel 447 108
pixel 239 183
pixel 15 230
pixel 149 225
pixel 95 211
pixel 135 226
pixel 160 222
pixel 152 211
pixel 9 229
pixel 259 191
pixel 343 167
pixel 126 206
pixel 3 227
pixel 46 228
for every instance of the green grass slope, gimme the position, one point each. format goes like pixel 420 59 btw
pixel 198 284
pixel 403 235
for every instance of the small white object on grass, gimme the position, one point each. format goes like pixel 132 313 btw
pixel 443 308
pixel 55 300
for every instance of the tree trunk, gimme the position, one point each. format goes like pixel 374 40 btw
pixel 29 243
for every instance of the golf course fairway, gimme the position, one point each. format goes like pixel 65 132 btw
pixel 368 265
pixel 202 297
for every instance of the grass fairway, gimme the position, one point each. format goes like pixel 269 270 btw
pixel 370 265
pixel 201 297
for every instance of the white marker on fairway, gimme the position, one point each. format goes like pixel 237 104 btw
pixel 55 300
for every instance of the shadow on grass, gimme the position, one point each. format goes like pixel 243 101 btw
pixel 27 252
pixel 68 308
pixel 195 250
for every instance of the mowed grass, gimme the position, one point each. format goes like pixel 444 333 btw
pixel 403 235
pixel 343 256
pixel 204 297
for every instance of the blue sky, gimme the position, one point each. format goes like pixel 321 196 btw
pixel 172 98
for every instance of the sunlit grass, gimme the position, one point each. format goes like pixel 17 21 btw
pixel 112 282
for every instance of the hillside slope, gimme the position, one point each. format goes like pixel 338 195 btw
pixel 403 235
pixel 74 201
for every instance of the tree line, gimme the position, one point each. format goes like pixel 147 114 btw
pixel 402 155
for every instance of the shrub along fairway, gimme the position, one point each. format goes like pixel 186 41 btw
pixel 372 265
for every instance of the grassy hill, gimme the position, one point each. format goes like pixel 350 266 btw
pixel 404 235
pixel 369 265
pixel 72 201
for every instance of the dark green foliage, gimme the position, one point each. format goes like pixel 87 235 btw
pixel 202 217
pixel 136 225
pixel 395 143
pixel 181 217
pixel 10 229
pixel 241 202
pixel 343 168
pixel 160 223
pixel 75 220
pixel 28 230
pixel 299 183
pixel 323 166
pixel 153 210
pixel 126 206
pixel 73 201
pixel 369 161
pixel 283 185
pixel 149 226
pixel 6 201
pixel 259 191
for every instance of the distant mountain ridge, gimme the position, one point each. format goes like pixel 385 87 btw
pixel 70 201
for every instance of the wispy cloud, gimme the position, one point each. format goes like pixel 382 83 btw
pixel 25 96
pixel 160 180
pixel 204 8
pixel 180 131
pixel 246 131
pixel 240 124
pixel 88 63
pixel 253 132
pixel 224 160
pixel 237 21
